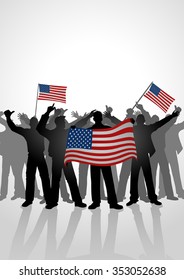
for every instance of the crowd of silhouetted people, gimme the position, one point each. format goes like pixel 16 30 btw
pixel 41 145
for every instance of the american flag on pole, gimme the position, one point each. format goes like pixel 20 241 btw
pixel 159 97
pixel 52 93
pixel 101 147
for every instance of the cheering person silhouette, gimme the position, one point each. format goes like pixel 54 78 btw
pixel 35 146
pixel 145 149
pixel 57 145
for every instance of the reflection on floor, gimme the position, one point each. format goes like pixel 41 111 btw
pixel 142 231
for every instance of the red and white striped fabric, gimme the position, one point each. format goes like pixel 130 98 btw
pixel 101 147
pixel 159 97
pixel 52 93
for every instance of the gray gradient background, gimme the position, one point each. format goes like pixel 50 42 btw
pixel 107 53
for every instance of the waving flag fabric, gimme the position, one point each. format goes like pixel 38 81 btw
pixel 52 93
pixel 159 97
pixel 101 147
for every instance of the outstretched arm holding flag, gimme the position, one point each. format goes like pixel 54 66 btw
pixel 156 95
pixel 142 95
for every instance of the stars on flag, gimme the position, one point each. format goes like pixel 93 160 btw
pixel 80 138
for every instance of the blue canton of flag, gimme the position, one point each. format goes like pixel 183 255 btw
pixel 154 89
pixel 44 88
pixel 79 138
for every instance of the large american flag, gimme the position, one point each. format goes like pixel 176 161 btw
pixel 101 147
pixel 52 93
pixel 159 97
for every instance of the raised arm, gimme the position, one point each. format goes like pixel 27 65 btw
pixel 113 119
pixel 23 118
pixel 41 127
pixel 165 120
pixel 83 121
pixel 3 121
pixel 179 126
pixel 57 113
pixel 11 124
pixel 74 123
pixel 145 113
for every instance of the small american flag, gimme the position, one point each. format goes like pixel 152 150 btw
pixel 101 147
pixel 159 97
pixel 52 93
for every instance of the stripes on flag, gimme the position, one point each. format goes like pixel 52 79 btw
pixel 159 97
pixel 52 93
pixel 101 147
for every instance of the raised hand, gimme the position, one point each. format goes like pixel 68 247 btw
pixel 8 113
pixel 90 115
pixel 23 117
pixel 139 106
pixel 51 108
pixel 107 114
pixel 108 109
pixel 177 109
pixel 75 114
pixel 59 112
pixel 175 113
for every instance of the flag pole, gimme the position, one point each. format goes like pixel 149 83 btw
pixel 36 102
pixel 142 95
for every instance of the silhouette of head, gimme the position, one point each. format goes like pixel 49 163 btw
pixel 140 119
pixel 60 121
pixel 33 122
pixel 154 119
pixel 97 116
pixel 130 111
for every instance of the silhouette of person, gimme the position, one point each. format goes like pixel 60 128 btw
pixel 57 145
pixel 107 121
pixel 83 168
pixel 173 148
pixel 12 150
pixel 159 157
pixel 25 123
pixel 51 125
pixel 35 146
pixel 126 166
pixel 96 171
pixel 63 187
pixel 145 149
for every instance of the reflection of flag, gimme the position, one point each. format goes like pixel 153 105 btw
pixel 101 147
pixel 159 97
pixel 52 93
